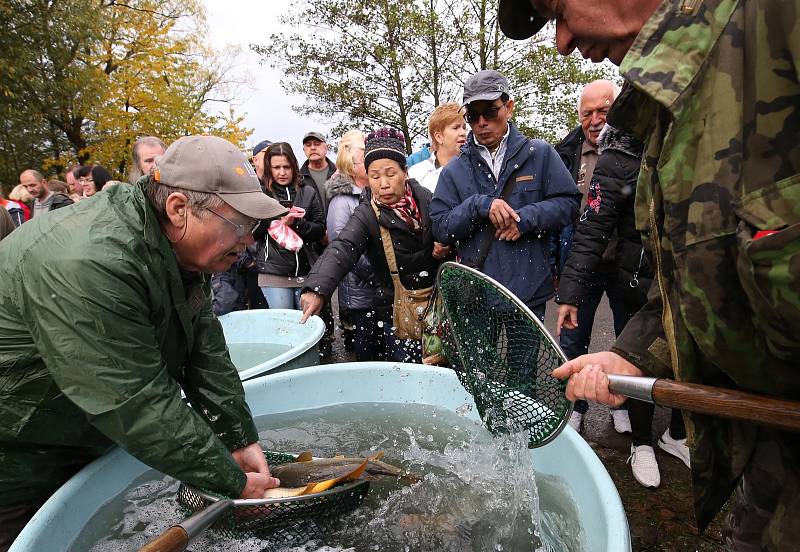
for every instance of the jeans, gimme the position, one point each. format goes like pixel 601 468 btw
pixel 575 342
pixel 282 298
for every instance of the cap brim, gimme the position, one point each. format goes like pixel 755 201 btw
pixel 518 19
pixel 489 96
pixel 255 205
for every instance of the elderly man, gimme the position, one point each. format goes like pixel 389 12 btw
pixel 498 201
pixel 44 200
pixel 318 168
pixel 104 362
pixel 145 151
pixel 712 87
pixel 579 152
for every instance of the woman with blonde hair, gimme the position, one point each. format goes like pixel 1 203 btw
pixel 448 132
pixel 356 290
pixel 21 195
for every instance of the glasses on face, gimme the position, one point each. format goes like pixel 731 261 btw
pixel 84 179
pixel 241 229
pixel 490 114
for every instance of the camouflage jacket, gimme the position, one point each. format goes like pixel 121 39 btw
pixel 712 87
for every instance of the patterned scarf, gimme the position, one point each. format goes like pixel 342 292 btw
pixel 406 209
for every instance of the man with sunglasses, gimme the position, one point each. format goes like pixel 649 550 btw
pixel 498 202
pixel 104 362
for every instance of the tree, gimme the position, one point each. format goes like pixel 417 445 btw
pixel 83 79
pixel 390 63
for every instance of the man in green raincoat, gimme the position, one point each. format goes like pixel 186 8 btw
pixel 105 318
pixel 712 86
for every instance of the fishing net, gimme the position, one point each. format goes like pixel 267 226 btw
pixel 280 521
pixel 502 355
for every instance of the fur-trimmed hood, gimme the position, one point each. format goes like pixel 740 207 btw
pixel 613 138
pixel 341 184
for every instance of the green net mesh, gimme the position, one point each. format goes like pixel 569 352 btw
pixel 280 522
pixel 503 355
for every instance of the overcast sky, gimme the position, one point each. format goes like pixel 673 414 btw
pixel 267 108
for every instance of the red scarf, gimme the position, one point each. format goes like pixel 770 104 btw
pixel 406 209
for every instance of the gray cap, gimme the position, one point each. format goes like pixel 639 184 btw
pixel 314 134
pixel 212 165
pixel 518 19
pixel 485 85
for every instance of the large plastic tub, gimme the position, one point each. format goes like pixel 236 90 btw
pixel 271 340
pixel 568 457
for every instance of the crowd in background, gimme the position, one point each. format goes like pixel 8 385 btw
pixel 544 220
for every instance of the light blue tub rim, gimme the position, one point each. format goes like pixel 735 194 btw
pixel 605 526
pixel 280 326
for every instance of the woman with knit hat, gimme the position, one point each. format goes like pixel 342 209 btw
pixel 397 207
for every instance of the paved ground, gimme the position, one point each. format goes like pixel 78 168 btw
pixel 660 519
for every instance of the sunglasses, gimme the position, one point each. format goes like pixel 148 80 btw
pixel 241 229
pixel 490 114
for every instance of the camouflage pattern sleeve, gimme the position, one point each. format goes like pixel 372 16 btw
pixel 642 342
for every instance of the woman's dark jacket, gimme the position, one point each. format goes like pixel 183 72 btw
pixel 609 208
pixel 361 235
pixel 271 258
pixel 357 289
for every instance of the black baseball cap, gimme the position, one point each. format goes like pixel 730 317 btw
pixel 519 19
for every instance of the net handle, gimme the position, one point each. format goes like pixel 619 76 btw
pixel 178 537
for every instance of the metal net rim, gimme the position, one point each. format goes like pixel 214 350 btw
pixel 519 305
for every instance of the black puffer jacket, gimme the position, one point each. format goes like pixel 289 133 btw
pixel 569 150
pixel 361 235
pixel 609 209
pixel 271 258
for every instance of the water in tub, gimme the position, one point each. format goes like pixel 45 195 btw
pixel 247 355
pixel 477 493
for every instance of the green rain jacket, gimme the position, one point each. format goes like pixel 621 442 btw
pixel 99 332
pixel 712 87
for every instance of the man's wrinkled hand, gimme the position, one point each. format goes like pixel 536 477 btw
pixel 254 464
pixel 501 214
pixel 567 318
pixel 510 233
pixel 588 377
pixel 311 303
pixel 257 484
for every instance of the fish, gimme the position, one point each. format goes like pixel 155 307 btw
pixel 308 475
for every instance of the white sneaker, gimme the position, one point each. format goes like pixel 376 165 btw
pixel 644 466
pixel 675 447
pixel 575 421
pixel 622 424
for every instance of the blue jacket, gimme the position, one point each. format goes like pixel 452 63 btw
pixel 544 196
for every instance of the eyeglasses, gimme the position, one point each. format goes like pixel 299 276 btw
pixel 84 179
pixel 490 114
pixel 241 229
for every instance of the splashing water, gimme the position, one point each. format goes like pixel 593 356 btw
pixel 477 492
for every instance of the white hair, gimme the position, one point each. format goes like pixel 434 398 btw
pixel 615 90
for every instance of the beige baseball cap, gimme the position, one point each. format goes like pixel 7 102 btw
pixel 215 166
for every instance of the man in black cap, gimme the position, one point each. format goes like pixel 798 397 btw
pixel 499 201
pixel 259 151
pixel 317 168
pixel 711 88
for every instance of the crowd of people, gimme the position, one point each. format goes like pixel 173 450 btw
pixel 594 214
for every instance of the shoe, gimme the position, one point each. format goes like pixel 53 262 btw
pixel 675 447
pixel 644 466
pixel 575 421
pixel 622 424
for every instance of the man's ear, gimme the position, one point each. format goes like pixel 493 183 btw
pixel 510 107
pixel 177 209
